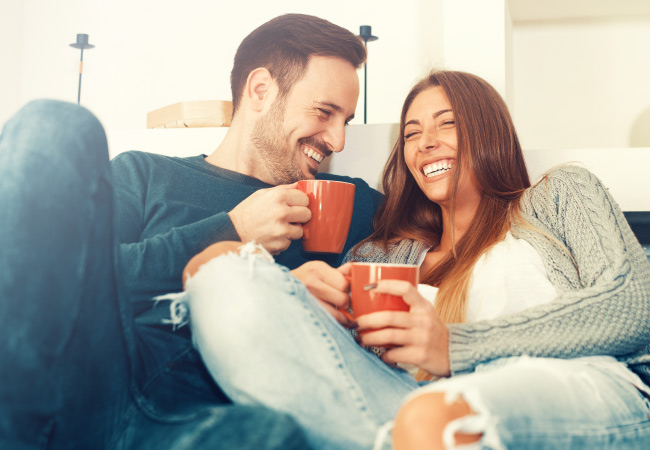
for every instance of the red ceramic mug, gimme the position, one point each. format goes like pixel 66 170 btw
pixel 364 277
pixel 331 204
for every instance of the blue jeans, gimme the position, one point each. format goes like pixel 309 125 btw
pixel 266 340
pixel 72 375
pixel 545 403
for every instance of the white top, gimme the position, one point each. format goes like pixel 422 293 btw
pixel 507 279
pixel 511 277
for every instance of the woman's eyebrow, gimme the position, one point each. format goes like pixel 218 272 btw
pixel 441 112
pixel 435 116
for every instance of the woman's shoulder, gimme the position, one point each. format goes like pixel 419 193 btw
pixel 406 251
pixel 565 178
pixel 568 174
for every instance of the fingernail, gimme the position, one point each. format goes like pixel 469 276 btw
pixel 367 287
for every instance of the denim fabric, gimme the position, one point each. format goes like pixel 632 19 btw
pixel 266 340
pixel 543 403
pixel 72 374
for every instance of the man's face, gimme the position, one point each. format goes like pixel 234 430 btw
pixel 305 126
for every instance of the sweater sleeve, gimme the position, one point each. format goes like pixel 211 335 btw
pixel 603 306
pixel 153 265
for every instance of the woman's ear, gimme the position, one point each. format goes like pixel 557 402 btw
pixel 260 89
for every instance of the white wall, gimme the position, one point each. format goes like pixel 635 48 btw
pixel 477 40
pixel 12 17
pixel 151 53
pixel 570 84
pixel 582 84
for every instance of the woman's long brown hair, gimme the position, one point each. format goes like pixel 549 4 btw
pixel 489 148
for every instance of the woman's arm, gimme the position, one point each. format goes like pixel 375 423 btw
pixel 604 307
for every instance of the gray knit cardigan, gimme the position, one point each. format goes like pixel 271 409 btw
pixel 603 306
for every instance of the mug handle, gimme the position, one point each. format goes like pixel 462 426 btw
pixel 346 313
pixel 367 287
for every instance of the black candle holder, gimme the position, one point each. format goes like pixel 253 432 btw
pixel 365 33
pixel 82 44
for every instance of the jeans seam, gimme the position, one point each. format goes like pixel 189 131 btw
pixel 360 401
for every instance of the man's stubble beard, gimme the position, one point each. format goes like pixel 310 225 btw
pixel 274 153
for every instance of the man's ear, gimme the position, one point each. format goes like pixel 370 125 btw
pixel 260 89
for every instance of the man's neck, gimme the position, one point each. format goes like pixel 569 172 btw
pixel 234 152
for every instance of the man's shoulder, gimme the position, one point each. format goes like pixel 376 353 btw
pixel 140 157
pixel 135 161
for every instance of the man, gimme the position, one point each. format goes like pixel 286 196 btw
pixel 294 88
pixel 76 371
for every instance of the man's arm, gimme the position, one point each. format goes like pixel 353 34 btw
pixel 170 209
pixel 152 261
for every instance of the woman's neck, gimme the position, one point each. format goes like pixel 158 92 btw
pixel 462 221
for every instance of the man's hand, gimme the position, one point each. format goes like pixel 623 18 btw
pixel 328 285
pixel 272 217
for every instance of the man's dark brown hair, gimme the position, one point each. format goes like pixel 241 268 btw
pixel 284 45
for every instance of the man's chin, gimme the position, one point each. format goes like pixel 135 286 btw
pixel 309 172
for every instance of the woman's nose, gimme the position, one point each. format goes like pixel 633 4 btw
pixel 428 141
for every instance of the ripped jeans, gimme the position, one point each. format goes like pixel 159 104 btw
pixel 545 403
pixel 267 341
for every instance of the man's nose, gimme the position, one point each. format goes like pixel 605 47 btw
pixel 335 137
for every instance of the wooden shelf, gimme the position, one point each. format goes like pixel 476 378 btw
pixel 192 114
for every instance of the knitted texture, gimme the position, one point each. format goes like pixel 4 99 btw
pixel 597 266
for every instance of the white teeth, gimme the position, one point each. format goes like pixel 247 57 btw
pixel 437 168
pixel 313 154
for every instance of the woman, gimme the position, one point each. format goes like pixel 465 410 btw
pixel 541 322
pixel 592 269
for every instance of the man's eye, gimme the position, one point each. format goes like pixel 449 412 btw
pixel 325 112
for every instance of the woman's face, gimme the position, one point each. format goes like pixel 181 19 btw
pixel 431 148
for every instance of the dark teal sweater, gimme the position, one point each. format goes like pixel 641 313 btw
pixel 168 209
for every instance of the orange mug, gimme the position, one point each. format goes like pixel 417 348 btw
pixel 331 204
pixel 364 277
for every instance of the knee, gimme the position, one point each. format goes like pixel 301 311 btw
pixel 206 255
pixel 46 128
pixel 60 115
pixel 421 422
pixel 222 286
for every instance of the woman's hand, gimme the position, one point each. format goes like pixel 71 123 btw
pixel 328 285
pixel 416 337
